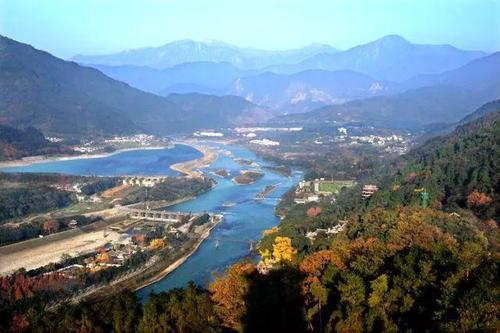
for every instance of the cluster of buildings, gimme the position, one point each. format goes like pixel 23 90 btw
pixel 87 148
pixel 144 181
pixel 141 139
pixel 208 134
pixel 390 143
pixel 110 255
pixel 138 140
pixel 54 139
pixel 313 190
pixel 368 190
pixel 265 142
pixel 330 231
pixel 256 139
pixel 242 130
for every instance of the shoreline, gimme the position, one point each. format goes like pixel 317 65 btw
pixel 187 168
pixel 176 264
pixel 130 284
pixel 30 160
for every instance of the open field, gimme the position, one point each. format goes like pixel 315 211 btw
pixel 333 187
pixel 39 252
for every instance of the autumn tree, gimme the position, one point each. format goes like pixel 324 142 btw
pixel 157 243
pixel 228 292
pixel 283 251
pixel 271 231
pixel 478 199
pixel 104 258
pixel 139 239
pixel 50 226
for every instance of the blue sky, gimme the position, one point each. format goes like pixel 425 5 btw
pixel 67 27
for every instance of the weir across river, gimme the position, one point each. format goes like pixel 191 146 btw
pixel 167 216
pixel 158 215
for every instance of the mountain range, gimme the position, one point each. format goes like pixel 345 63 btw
pixel 443 98
pixel 285 93
pixel 66 99
pixel 307 90
pixel 389 58
pixel 297 81
pixel 198 77
pixel 187 50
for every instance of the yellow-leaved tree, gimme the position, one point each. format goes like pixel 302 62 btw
pixel 157 243
pixel 283 250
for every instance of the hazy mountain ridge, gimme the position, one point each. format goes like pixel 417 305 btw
pixel 187 50
pixel 302 91
pixel 292 88
pixel 389 58
pixel 443 101
pixel 288 93
pixel 64 98
pixel 202 76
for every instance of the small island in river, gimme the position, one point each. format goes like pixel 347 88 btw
pixel 222 173
pixel 247 177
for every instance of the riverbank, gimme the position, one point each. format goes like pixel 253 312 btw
pixel 150 275
pixel 173 266
pixel 188 168
pixel 30 160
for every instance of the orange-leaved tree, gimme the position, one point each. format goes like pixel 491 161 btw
pixel 228 293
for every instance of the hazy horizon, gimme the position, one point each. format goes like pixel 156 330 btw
pixel 67 28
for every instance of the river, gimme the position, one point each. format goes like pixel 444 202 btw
pixel 243 222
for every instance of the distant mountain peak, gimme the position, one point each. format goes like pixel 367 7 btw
pixel 393 38
pixel 391 41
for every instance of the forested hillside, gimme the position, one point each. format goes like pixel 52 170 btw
pixel 17 143
pixel 65 99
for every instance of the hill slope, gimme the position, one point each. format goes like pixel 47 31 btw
pixel 16 143
pixel 63 98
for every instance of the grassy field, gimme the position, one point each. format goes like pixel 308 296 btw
pixel 333 187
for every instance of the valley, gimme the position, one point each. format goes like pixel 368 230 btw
pixel 155 179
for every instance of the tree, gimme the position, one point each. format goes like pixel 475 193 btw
pixel 104 258
pixel 139 239
pixel 50 226
pixel 478 199
pixel 157 243
pixel 283 251
pixel 228 292
pixel 180 310
pixel 313 211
